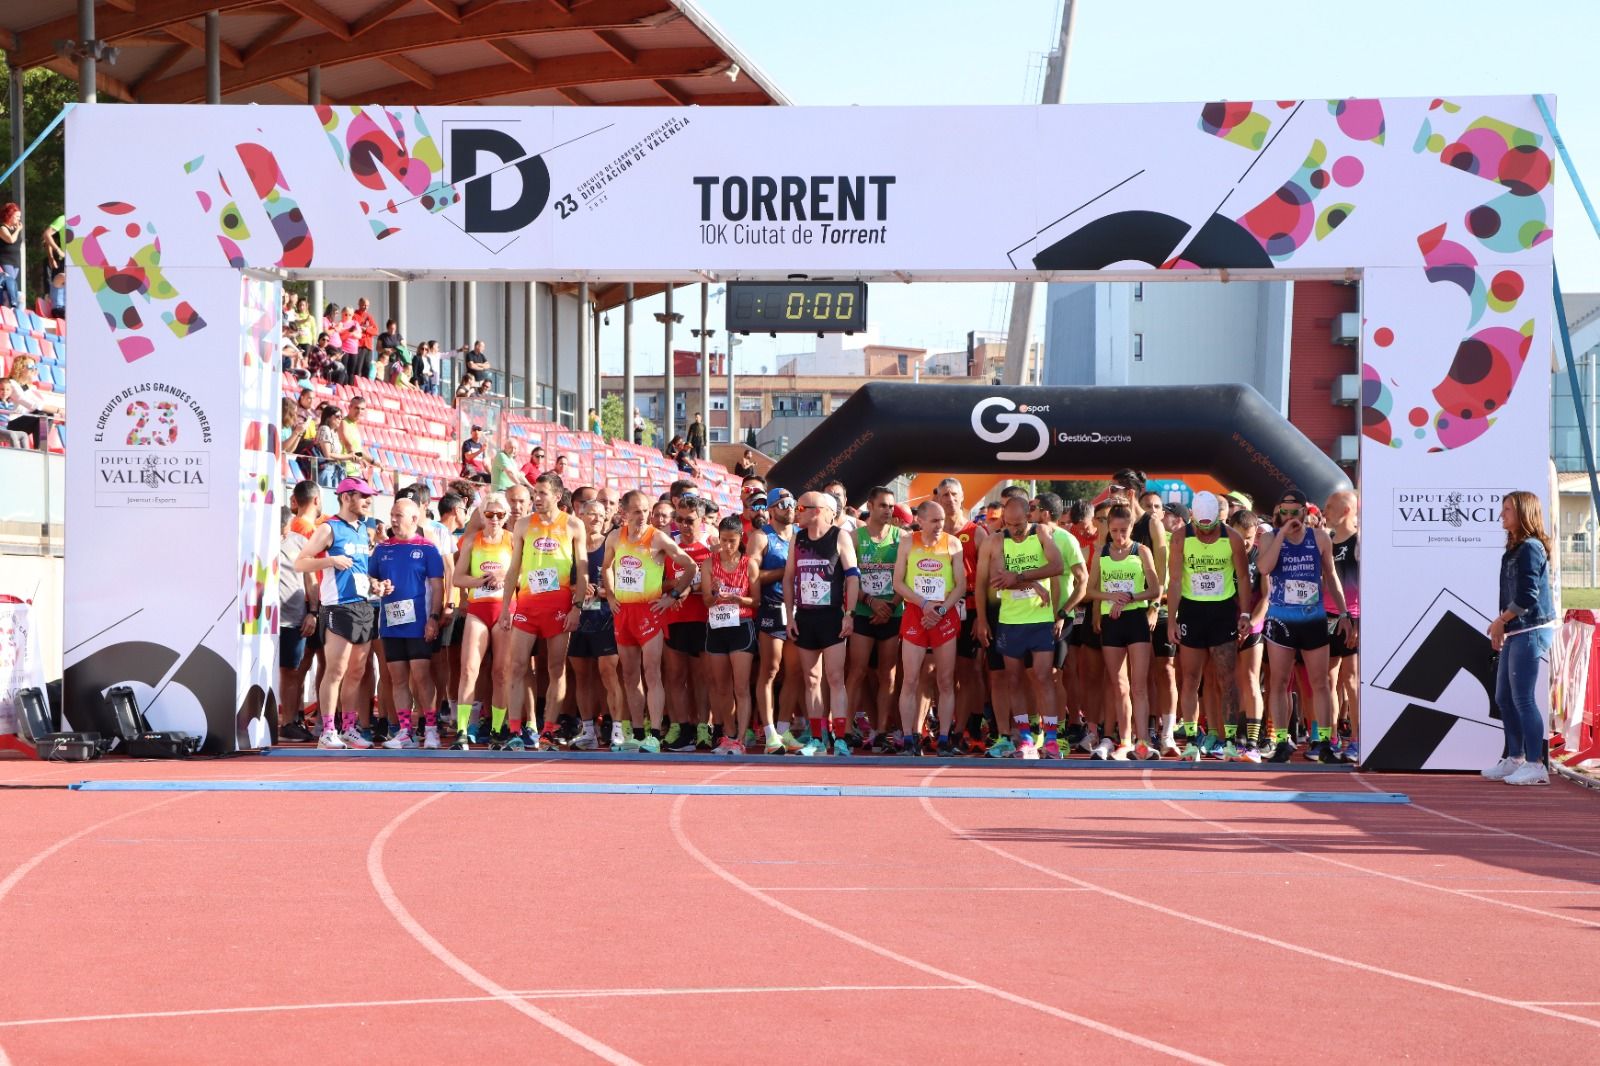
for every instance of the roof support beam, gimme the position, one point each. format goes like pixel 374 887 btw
pixel 103 83
pixel 517 56
pixel 403 35
pixel 270 36
pixel 36 48
pixel 577 96
pixel 166 62
pixel 410 69
pixel 446 8
pixel 196 38
pixel 682 99
pixel 472 7
pixel 120 5
pixel 375 16
pixel 314 11
pixel 618 46
pixel 557 72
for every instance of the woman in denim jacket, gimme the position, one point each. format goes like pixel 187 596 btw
pixel 1522 633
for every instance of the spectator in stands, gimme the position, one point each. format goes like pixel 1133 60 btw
pixel 477 363
pixel 301 327
pixel 390 340
pixel 594 421
pixel 503 471
pixel 28 409
pixel 566 468
pixel 357 360
pixel 300 428
pixel 330 319
pixel 330 447
pixel 58 295
pixel 697 437
pixel 474 464
pixel 293 358
pixel 350 432
pixel 535 464
pixel 366 325
pixel 425 367
pixel 54 261
pixel 745 467
pixel 470 389
pixel 10 255
pixel 638 427
pixel 325 362
pixel 678 451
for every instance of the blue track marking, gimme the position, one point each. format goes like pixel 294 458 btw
pixel 593 788
pixel 701 759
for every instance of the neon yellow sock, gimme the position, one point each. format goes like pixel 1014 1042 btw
pixel 498 718
pixel 463 716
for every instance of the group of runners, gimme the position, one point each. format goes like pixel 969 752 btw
pixel 546 617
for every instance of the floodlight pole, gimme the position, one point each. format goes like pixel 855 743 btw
pixel 669 374
pixel 628 398
pixel 1055 84
pixel 579 404
pixel 86 81
pixel 530 349
pixel 705 369
pixel 213 57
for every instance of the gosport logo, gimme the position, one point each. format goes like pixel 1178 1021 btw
pixel 1013 418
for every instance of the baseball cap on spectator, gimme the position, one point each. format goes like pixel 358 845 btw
pixel 1179 511
pixel 780 498
pixel 354 484
pixel 1241 499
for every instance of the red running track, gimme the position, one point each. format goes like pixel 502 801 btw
pixel 397 928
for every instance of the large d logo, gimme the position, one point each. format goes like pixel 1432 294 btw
pixel 481 215
pixel 1009 425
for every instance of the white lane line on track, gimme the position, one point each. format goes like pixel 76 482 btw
pixel 1321 956
pixel 1401 878
pixel 913 888
pixel 544 993
pixel 386 894
pixel 1361 780
pixel 675 821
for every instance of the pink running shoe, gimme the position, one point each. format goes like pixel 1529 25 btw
pixel 1051 750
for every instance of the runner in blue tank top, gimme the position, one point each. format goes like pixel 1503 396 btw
pixel 339 550
pixel 770 546
pixel 1297 563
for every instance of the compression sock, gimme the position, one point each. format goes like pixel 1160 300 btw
pixel 1050 724
pixel 782 727
pixel 1020 728
pixel 840 727
pixel 772 734
pixel 404 715
pixel 1230 731
pixel 430 717
pixel 1280 735
pixel 463 716
pixel 815 725
pixel 497 718
pixel 1252 731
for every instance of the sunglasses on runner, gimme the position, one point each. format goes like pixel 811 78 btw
pixel 495 514
pixel 1290 512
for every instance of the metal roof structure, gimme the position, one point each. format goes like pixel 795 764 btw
pixel 401 52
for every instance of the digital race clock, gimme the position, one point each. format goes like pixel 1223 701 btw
pixel 797 307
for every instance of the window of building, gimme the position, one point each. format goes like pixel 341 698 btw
pixel 900 361
pixel 569 406
pixel 1138 347
pixel 1138 291
pixel 719 403
pixel 797 403
pixel 750 403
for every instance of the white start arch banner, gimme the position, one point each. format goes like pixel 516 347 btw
pixel 1444 207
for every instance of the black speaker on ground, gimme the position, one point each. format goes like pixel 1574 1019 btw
pixel 41 727
pixel 118 715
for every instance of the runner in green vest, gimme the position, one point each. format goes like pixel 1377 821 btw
pixel 877 616
pixel 1123 582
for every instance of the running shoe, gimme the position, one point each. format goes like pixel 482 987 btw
pixel 1027 749
pixel 514 744
pixel 296 731
pixel 629 746
pixel 750 739
pixel 430 738
pixel 702 737
pixel 1317 751
pixel 1050 750
pixel 1073 733
pixel 670 741
pixel 1101 751
pixel 1531 772
pixel 1282 751
pixel 1090 740
pixel 1142 749
pixel 790 742
pixel 586 740
pixel 885 744
pixel 975 747
pixel 949 750
pixel 1190 753
pixel 1207 742
pixel 813 748
pixel 1249 754
pixel 863 724
pixel 401 739
pixel 1121 753
pixel 841 747
pixel 616 736
pixel 1224 752
pixel 353 738
pixel 379 732
pixel 1002 748
pixel 685 741
pixel 775 746
pixel 461 743
pixel 729 746
pixel 650 745
pixel 330 739
pixel 549 740
pixel 1350 753
pixel 1154 754
pixel 1169 746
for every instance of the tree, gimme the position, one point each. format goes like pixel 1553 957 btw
pixel 44 94
pixel 613 424
pixel 1070 489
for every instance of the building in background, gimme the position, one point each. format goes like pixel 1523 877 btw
pixel 1566 442
pixel 1294 342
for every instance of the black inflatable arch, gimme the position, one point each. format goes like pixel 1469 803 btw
pixel 1227 431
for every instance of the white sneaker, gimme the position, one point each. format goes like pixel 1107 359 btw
pixel 1530 773
pixel 1027 750
pixel 353 739
pixel 1503 769
pixel 1122 752
pixel 585 741
pixel 1091 739
pixel 330 739
pixel 402 739
pixel 1101 750
pixel 430 738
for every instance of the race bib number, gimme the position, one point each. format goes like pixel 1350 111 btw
pixel 543 579
pixel 630 580
pixel 1207 583
pixel 930 588
pixel 1120 584
pixel 363 586
pixel 815 591
pixel 594 603
pixel 400 612
pixel 724 615
pixel 1029 593
pixel 1301 592
pixel 876 582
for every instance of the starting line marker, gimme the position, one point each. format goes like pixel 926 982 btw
pixel 593 788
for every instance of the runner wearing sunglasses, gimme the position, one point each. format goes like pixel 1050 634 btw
pixel 1298 562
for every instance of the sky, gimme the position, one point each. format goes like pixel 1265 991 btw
pixel 932 52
